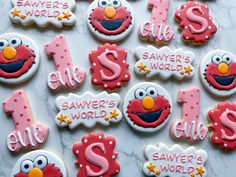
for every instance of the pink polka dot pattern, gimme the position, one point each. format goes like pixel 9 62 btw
pixel 27 134
pixel 67 75
pixel 189 126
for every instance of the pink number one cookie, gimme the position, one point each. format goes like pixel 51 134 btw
pixel 67 75
pixel 27 134
pixel 189 127
pixel 156 29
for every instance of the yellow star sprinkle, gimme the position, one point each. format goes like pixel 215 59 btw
pixel 142 67
pixel 147 70
pixel 114 114
pixel 151 167
pixel 200 171
pixel 69 121
pixel 59 18
pixel 182 72
pixel 67 15
pixel 107 118
pixel 62 118
pixel 192 175
pixel 188 69
pixel 158 171
pixel 23 16
pixel 15 13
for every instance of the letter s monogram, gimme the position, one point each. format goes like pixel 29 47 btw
pixel 96 159
pixel 229 124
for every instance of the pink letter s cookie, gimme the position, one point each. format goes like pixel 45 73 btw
pixel 189 127
pixel 96 156
pixel 223 119
pixel 67 75
pixel 156 29
pixel 27 134
pixel 196 23
pixel 109 67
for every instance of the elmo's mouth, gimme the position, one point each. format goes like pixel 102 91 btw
pixel 224 80
pixel 150 117
pixel 112 25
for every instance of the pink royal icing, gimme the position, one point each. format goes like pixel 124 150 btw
pixel 156 29
pixel 27 134
pixel 67 75
pixel 189 126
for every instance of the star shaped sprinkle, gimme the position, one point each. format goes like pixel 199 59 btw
pixel 147 70
pixel 23 16
pixel 188 69
pixel 114 114
pixel 182 72
pixel 200 171
pixel 59 18
pixel 151 167
pixel 15 13
pixel 69 121
pixel 67 15
pixel 107 118
pixel 158 171
pixel 192 175
pixel 142 67
pixel 62 118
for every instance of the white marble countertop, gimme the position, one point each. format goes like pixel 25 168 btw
pixel 130 144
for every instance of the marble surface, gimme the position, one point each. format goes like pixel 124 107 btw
pixel 130 144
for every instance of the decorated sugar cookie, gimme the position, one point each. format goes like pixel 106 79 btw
pixel 163 161
pixel 27 134
pixel 164 62
pixel 189 127
pixel 196 24
pixel 43 13
pixel 39 163
pixel 19 58
pixel 96 156
pixel 156 30
pixel 67 75
pixel 110 20
pixel 218 72
pixel 223 125
pixel 109 68
pixel 88 109
pixel 147 107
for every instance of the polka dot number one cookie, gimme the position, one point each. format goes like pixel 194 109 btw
pixel 147 107
pixel 19 58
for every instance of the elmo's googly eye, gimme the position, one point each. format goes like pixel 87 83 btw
pixel 140 94
pixel 216 59
pixel 15 42
pixel 103 3
pixel 227 59
pixel 26 166
pixel 3 43
pixel 116 3
pixel 152 92
pixel 40 162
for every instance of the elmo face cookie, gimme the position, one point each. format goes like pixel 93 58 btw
pixel 218 72
pixel 147 107
pixel 110 20
pixel 39 163
pixel 19 58
pixel 42 13
pixel 223 118
pixel 109 68
pixel 96 156
pixel 195 22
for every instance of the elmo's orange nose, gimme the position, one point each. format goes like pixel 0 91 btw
pixel 35 172
pixel 148 102
pixel 110 12
pixel 223 68
pixel 9 53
